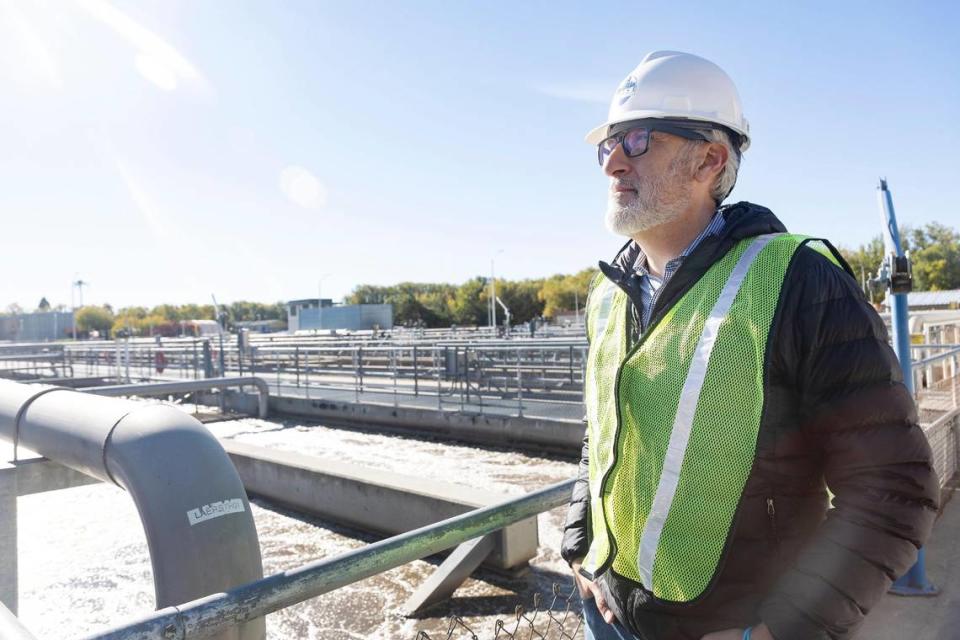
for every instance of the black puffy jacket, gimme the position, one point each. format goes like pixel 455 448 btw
pixel 836 414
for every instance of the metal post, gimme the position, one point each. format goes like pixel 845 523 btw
pixel 223 355
pixel 476 360
pixel 466 375
pixel 276 365
pixel 126 357
pixel 456 360
pixel 416 373
pixel 8 536
pixel 953 380
pixel 519 387
pixel 306 373
pixel 914 582
pixel 296 364
pixel 356 372
pixel 116 358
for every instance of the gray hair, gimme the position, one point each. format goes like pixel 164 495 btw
pixel 728 175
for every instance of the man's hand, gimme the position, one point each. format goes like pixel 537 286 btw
pixel 591 590
pixel 760 632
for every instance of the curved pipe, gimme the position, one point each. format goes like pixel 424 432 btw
pixel 192 504
pixel 184 386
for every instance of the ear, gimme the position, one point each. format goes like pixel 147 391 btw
pixel 712 162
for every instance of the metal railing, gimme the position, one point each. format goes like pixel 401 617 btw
pixel 189 386
pixel 502 377
pixel 445 370
pixel 216 612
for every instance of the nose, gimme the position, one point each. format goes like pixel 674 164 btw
pixel 616 163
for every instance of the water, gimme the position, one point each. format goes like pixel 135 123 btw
pixel 84 564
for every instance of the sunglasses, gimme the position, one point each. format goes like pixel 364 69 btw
pixel 636 139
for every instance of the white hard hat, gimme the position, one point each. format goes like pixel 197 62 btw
pixel 670 84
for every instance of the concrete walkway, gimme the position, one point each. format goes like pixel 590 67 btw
pixel 938 618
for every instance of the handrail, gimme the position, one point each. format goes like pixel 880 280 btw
pixel 932 359
pixel 205 616
pixel 160 388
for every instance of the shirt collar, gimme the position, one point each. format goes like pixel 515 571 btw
pixel 714 227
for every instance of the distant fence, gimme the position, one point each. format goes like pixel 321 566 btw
pixel 937 391
pixel 468 371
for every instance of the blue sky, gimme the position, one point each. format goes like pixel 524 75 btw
pixel 167 150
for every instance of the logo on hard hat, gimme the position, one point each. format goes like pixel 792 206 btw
pixel 626 89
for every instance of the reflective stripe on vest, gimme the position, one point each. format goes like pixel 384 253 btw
pixel 673 423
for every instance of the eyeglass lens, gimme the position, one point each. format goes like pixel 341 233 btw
pixel 634 142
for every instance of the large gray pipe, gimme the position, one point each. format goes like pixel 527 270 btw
pixel 195 513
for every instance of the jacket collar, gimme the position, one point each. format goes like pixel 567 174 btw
pixel 741 220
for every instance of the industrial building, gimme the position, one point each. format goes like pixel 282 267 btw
pixel 315 313
pixel 930 300
pixel 37 327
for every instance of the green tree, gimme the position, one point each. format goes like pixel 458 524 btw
pixel 566 293
pixel 935 253
pixel 469 303
pixel 197 312
pixel 414 303
pixel 128 319
pixel 367 294
pixel 91 318
pixel 522 298
pixel 169 312
pixel 436 303
pixel 865 262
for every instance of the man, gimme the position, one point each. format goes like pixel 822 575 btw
pixel 735 373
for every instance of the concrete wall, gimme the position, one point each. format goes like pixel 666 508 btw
pixel 372 499
pixel 501 431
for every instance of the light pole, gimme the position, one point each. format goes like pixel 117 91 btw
pixel 79 284
pixel 493 292
pixel 320 300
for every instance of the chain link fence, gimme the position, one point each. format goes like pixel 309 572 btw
pixel 560 620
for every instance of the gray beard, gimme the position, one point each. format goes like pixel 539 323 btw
pixel 660 199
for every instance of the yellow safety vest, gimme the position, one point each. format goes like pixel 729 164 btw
pixel 673 420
